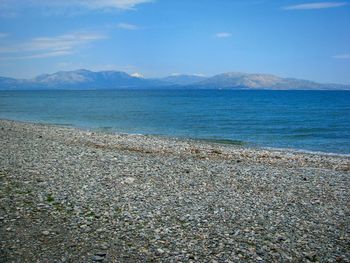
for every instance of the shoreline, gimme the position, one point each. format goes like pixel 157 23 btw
pixel 233 143
pixel 72 195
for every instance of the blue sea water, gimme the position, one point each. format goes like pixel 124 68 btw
pixel 303 120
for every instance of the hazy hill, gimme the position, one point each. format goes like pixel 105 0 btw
pixel 235 80
pixel 84 79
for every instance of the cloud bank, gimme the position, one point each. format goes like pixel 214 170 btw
pixel 87 4
pixel 120 4
pixel 43 47
pixel 318 5
pixel 127 26
pixel 342 56
pixel 223 34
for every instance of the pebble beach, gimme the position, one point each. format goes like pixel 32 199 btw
pixel 71 195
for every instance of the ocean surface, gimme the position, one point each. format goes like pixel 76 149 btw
pixel 301 120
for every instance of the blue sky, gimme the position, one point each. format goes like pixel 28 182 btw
pixel 290 38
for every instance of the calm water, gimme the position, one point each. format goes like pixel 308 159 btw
pixel 306 120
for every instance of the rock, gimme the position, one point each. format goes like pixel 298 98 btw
pixel 104 246
pixel 129 180
pixel 97 258
pixel 160 251
pixel 46 233
pixel 101 254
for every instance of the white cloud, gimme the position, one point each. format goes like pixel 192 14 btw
pixel 318 5
pixel 40 55
pixel 43 47
pixel 342 56
pixel 223 34
pixel 89 4
pixel 100 4
pixel 127 26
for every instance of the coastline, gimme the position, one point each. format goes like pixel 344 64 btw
pixel 127 197
pixel 193 140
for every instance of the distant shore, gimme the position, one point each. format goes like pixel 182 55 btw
pixel 71 195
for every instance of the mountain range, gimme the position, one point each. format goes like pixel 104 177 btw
pixel 83 79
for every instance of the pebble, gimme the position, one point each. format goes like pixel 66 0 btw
pixel 160 251
pixel 104 246
pixel 185 202
pixel 101 254
pixel 46 233
pixel 97 258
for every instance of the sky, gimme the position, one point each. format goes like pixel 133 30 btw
pixel 154 38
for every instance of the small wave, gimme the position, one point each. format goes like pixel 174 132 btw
pixel 307 135
pixel 60 124
pixel 293 150
pixel 223 141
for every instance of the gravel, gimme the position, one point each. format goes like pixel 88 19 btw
pixel 68 195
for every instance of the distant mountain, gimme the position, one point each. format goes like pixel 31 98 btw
pixel 235 80
pixel 84 79
pixel 10 83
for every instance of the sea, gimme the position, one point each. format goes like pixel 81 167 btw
pixel 317 121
